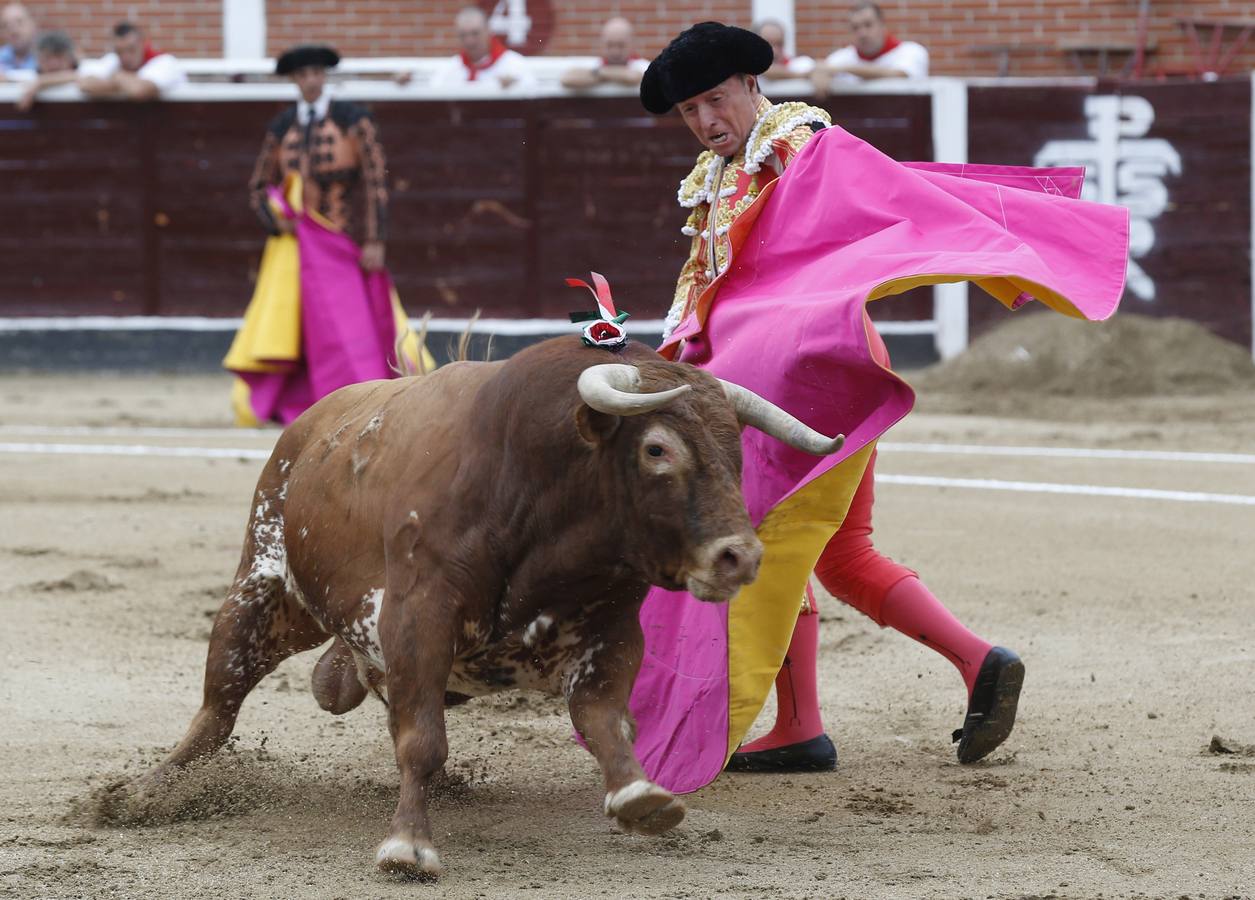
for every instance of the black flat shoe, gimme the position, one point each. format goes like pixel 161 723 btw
pixel 991 712
pixel 816 755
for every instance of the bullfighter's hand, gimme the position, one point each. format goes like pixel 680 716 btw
pixel 372 256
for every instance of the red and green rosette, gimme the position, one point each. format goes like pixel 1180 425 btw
pixel 605 323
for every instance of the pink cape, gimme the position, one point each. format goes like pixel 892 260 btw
pixel 348 331
pixel 788 323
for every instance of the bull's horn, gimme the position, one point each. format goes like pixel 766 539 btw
pixel 768 418
pixel 614 389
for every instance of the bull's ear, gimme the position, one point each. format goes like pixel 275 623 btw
pixel 595 427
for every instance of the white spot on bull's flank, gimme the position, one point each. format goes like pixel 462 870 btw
pixel 363 632
pixel 269 551
pixel 627 729
pixel 537 629
pixel 293 589
pixel 372 426
pixel 284 465
pixel 582 668
pixel 413 515
pixel 304 531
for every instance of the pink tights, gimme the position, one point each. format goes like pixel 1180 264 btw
pixel 892 595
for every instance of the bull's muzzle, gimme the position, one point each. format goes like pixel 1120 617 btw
pixel 723 566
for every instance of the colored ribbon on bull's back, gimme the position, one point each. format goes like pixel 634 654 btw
pixel 845 225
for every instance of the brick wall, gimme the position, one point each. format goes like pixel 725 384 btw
pixel 182 27
pixel 950 28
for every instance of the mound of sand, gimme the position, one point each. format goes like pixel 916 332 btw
pixel 1128 356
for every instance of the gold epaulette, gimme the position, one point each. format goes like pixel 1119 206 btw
pixel 695 188
pixel 784 123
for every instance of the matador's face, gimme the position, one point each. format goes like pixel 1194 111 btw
pixel 722 117
pixel 310 80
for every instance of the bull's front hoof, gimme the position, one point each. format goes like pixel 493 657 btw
pixel 397 856
pixel 644 808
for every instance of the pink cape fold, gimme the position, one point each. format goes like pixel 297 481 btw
pixel 347 327
pixel 789 323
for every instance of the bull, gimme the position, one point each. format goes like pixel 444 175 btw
pixel 489 526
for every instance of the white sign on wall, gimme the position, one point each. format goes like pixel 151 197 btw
pixel 1122 166
pixel 509 17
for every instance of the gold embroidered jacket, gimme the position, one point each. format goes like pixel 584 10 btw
pixel 729 186
pixel 341 164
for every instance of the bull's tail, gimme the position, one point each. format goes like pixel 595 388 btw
pixel 404 365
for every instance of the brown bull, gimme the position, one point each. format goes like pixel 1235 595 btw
pixel 489 526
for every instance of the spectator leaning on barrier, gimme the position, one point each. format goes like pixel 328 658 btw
pixel 133 71
pixel 618 65
pixel 484 58
pixel 17 56
pixel 57 65
pixel 875 53
pixel 782 65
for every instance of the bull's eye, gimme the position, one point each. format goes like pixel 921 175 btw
pixel 654 450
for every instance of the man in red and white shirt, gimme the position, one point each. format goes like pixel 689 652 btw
pixel 875 53
pixel 484 57
pixel 618 63
pixel 133 71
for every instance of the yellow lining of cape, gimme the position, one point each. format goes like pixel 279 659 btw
pixel 794 534
pixel 1006 290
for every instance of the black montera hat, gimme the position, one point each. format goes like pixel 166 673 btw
pixel 306 55
pixel 700 58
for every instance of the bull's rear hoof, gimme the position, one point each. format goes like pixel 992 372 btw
pixel 644 808
pixel 401 857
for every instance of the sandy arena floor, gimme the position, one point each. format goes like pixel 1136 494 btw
pixel 1135 616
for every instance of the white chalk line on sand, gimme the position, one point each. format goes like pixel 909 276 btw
pixel 892 446
pixel 134 431
pixel 1069 452
pixel 135 450
pixel 1045 487
pixel 985 484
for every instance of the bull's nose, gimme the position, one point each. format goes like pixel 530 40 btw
pixel 735 559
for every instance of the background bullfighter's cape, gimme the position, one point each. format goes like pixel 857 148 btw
pixel 845 224
pixel 316 321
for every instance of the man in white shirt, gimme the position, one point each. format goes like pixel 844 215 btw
pixel 875 53
pixel 484 57
pixel 133 71
pixel 618 64
pixel 783 66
